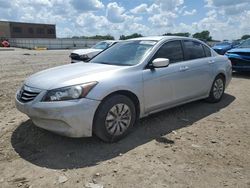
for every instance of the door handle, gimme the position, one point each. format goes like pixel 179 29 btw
pixel 211 62
pixel 184 68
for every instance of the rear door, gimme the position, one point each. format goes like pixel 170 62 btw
pixel 197 66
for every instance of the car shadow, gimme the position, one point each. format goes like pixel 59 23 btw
pixel 49 150
pixel 241 75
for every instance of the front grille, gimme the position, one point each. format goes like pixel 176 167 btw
pixel 27 94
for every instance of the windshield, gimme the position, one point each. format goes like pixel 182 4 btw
pixel 124 53
pixel 245 44
pixel 101 45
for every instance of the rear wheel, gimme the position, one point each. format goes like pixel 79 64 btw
pixel 114 118
pixel 217 90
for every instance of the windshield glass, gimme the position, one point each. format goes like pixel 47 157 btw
pixel 101 45
pixel 245 44
pixel 124 53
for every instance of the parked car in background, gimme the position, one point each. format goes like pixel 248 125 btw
pixel 222 47
pixel 236 43
pixel 5 43
pixel 86 54
pixel 240 56
pixel 129 80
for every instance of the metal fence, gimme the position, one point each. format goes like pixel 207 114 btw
pixel 67 43
pixel 52 43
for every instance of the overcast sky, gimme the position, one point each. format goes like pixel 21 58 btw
pixel 225 19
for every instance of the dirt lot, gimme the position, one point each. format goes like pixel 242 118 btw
pixel 195 145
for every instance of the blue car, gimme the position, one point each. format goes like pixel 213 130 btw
pixel 240 56
pixel 222 47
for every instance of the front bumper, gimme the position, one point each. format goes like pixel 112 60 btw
pixel 241 68
pixel 239 63
pixel 68 118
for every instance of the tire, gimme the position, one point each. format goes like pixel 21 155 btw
pixel 114 118
pixel 217 90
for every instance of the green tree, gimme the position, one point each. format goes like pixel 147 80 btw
pixel 204 35
pixel 177 34
pixel 99 37
pixel 134 35
pixel 244 37
pixel 122 37
pixel 102 37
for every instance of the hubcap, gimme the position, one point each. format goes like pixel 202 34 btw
pixel 118 119
pixel 218 88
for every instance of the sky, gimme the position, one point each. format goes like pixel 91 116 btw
pixel 225 19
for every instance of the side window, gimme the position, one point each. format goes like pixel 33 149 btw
pixel 171 50
pixel 193 50
pixel 207 51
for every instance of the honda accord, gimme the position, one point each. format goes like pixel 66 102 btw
pixel 128 81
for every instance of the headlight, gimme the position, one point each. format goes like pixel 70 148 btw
pixel 69 93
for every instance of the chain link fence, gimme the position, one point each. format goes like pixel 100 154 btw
pixel 52 43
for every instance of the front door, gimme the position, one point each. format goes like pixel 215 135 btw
pixel 160 83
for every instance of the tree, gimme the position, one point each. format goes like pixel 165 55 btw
pixel 204 35
pixel 134 35
pixel 244 37
pixel 177 34
pixel 102 37
pixel 99 37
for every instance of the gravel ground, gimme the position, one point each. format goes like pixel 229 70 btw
pixel 194 145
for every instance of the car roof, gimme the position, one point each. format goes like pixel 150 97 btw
pixel 158 38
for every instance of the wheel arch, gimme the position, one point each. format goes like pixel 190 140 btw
pixel 132 96
pixel 223 75
pixel 220 73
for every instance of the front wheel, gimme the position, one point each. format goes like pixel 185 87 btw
pixel 114 118
pixel 217 90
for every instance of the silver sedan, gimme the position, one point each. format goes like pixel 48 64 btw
pixel 130 80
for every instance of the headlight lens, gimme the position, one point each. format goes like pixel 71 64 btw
pixel 69 93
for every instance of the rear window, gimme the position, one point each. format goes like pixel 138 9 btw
pixel 207 51
pixel 193 50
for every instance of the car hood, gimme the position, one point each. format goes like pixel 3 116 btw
pixel 86 51
pixel 235 50
pixel 71 74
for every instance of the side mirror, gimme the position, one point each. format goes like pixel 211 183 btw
pixel 160 62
